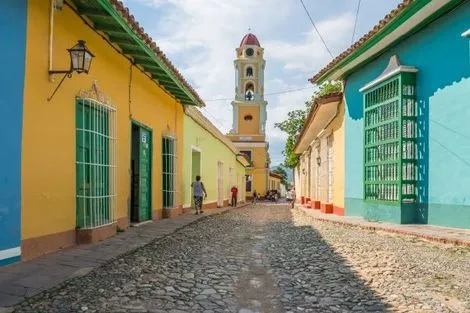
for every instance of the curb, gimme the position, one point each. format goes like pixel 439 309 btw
pixel 122 255
pixel 443 240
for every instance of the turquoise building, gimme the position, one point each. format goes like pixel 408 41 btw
pixel 13 31
pixel 407 120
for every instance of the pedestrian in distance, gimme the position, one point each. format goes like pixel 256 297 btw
pixel 234 191
pixel 199 193
pixel 293 197
pixel 255 197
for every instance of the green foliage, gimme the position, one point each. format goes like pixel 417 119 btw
pixel 296 120
pixel 280 171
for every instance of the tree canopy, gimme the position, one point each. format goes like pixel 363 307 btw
pixel 295 121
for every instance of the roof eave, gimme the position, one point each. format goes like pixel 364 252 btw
pixel 374 45
pixel 325 100
pixel 139 46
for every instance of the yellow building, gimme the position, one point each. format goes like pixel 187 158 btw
pixel 274 182
pixel 319 177
pixel 249 113
pixel 106 150
pixel 211 155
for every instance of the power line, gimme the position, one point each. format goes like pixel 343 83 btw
pixel 266 94
pixel 355 21
pixel 315 27
pixel 220 124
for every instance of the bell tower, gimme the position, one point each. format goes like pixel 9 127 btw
pixel 249 112
pixel 249 107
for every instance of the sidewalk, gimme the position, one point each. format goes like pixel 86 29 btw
pixel 27 279
pixel 455 236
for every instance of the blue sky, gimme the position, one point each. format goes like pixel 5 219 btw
pixel 200 37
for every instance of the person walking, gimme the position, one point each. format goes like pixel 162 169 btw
pixel 199 193
pixel 255 196
pixel 234 191
pixel 293 195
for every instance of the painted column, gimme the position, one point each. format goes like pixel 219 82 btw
pixel 263 117
pixel 235 117
pixel 13 30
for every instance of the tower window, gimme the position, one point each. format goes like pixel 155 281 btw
pixel 249 92
pixel 248 117
pixel 249 71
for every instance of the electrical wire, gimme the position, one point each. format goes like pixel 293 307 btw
pixel 266 94
pixel 355 21
pixel 315 27
pixel 219 123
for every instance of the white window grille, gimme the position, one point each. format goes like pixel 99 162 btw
pixel 330 168
pixel 169 171
pixel 96 160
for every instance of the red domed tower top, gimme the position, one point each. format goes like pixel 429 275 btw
pixel 249 39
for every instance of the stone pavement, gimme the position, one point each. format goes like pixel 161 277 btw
pixel 268 258
pixel 27 279
pixel 455 236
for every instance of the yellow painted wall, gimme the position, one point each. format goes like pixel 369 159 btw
pixel 338 157
pixel 259 171
pixel 48 158
pixel 212 150
pixel 274 183
pixel 248 127
pixel 307 184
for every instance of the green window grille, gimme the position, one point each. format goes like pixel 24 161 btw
pixel 390 132
pixel 95 163
pixel 169 172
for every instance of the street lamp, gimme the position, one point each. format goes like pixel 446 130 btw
pixel 80 62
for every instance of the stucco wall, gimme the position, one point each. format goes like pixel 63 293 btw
pixel 337 127
pixel 443 89
pixel 13 15
pixel 48 160
pixel 211 151
pixel 248 127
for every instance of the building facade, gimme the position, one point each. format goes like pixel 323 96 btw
pixel 249 113
pixel 274 182
pixel 93 150
pixel 407 85
pixel 13 29
pixel 211 155
pixel 320 178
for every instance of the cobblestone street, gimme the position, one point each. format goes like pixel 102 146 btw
pixel 271 259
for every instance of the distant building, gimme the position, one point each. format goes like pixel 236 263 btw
pixel 274 181
pixel 249 113
pixel 210 154
pixel 319 179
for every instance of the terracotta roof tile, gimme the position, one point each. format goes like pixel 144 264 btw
pixel 125 13
pixel 377 28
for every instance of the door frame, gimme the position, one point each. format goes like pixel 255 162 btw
pixel 150 130
pixel 198 150
pixel 220 192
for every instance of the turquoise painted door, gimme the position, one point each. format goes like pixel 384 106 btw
pixel 145 157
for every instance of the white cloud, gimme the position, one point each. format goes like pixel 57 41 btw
pixel 200 36
pixel 310 54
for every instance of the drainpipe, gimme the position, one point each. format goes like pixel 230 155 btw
pixel 51 36
pixel 55 5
